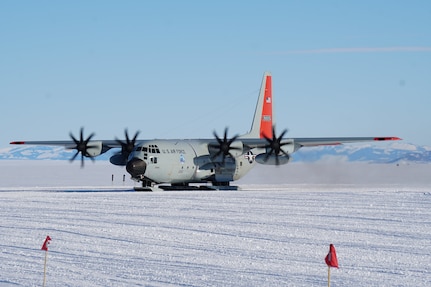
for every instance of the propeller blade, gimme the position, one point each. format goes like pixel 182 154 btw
pixel 275 146
pixel 82 160
pixel 224 146
pixel 128 145
pixel 82 146
pixel 74 156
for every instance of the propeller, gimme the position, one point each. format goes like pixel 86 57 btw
pixel 275 146
pixel 223 146
pixel 127 146
pixel 82 146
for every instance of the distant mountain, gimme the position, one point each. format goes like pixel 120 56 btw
pixel 396 152
pixel 43 153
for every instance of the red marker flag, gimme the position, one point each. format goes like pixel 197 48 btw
pixel 45 243
pixel 331 259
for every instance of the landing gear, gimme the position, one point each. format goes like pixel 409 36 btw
pixel 146 186
pixel 221 183
pixel 198 187
pixel 216 185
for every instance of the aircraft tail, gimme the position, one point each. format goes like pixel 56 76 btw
pixel 263 115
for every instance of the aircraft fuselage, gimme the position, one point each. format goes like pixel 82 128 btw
pixel 185 161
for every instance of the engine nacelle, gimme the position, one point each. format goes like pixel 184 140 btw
pixel 118 159
pixel 94 148
pixel 263 158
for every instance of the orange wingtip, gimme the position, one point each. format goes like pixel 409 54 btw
pixel 387 139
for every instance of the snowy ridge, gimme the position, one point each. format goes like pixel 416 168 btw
pixel 42 153
pixel 371 153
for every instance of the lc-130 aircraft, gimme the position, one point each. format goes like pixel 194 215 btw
pixel 213 163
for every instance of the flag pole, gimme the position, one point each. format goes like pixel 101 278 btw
pixel 45 248
pixel 44 268
pixel 332 261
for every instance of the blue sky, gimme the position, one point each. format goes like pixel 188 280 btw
pixel 182 69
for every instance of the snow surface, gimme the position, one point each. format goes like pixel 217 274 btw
pixel 276 234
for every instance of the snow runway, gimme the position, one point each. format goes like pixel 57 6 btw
pixel 259 236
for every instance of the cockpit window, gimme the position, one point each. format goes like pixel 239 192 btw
pixel 153 148
pixel 140 148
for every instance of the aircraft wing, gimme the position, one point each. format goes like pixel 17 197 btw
pixel 68 144
pixel 338 140
pixel 83 144
pixel 250 142
pixel 89 148
pixel 310 142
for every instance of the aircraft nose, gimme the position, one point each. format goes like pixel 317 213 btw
pixel 136 167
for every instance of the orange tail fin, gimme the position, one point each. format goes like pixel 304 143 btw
pixel 266 119
pixel 263 115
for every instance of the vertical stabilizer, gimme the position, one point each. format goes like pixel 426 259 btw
pixel 262 121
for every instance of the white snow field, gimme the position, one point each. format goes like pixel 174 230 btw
pixel 276 234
